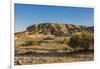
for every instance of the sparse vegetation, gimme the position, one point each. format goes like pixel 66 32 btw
pixel 38 48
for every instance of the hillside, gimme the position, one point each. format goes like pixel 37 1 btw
pixel 54 29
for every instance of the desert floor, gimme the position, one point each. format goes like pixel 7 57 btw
pixel 48 49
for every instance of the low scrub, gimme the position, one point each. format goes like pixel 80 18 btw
pixel 29 43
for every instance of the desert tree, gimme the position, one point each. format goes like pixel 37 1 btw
pixel 82 40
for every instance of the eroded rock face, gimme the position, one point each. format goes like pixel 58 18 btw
pixel 55 29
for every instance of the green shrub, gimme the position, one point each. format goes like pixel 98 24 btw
pixel 82 40
pixel 74 41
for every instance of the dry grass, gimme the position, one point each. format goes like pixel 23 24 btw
pixel 44 47
pixel 47 42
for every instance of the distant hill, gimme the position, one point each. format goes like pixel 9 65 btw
pixel 91 28
pixel 56 29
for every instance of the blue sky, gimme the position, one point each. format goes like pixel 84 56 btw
pixel 28 14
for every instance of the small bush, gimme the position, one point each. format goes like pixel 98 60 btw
pixel 74 41
pixel 86 40
pixel 30 42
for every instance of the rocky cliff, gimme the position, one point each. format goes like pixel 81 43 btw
pixel 55 29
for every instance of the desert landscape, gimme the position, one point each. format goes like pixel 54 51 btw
pixel 54 43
